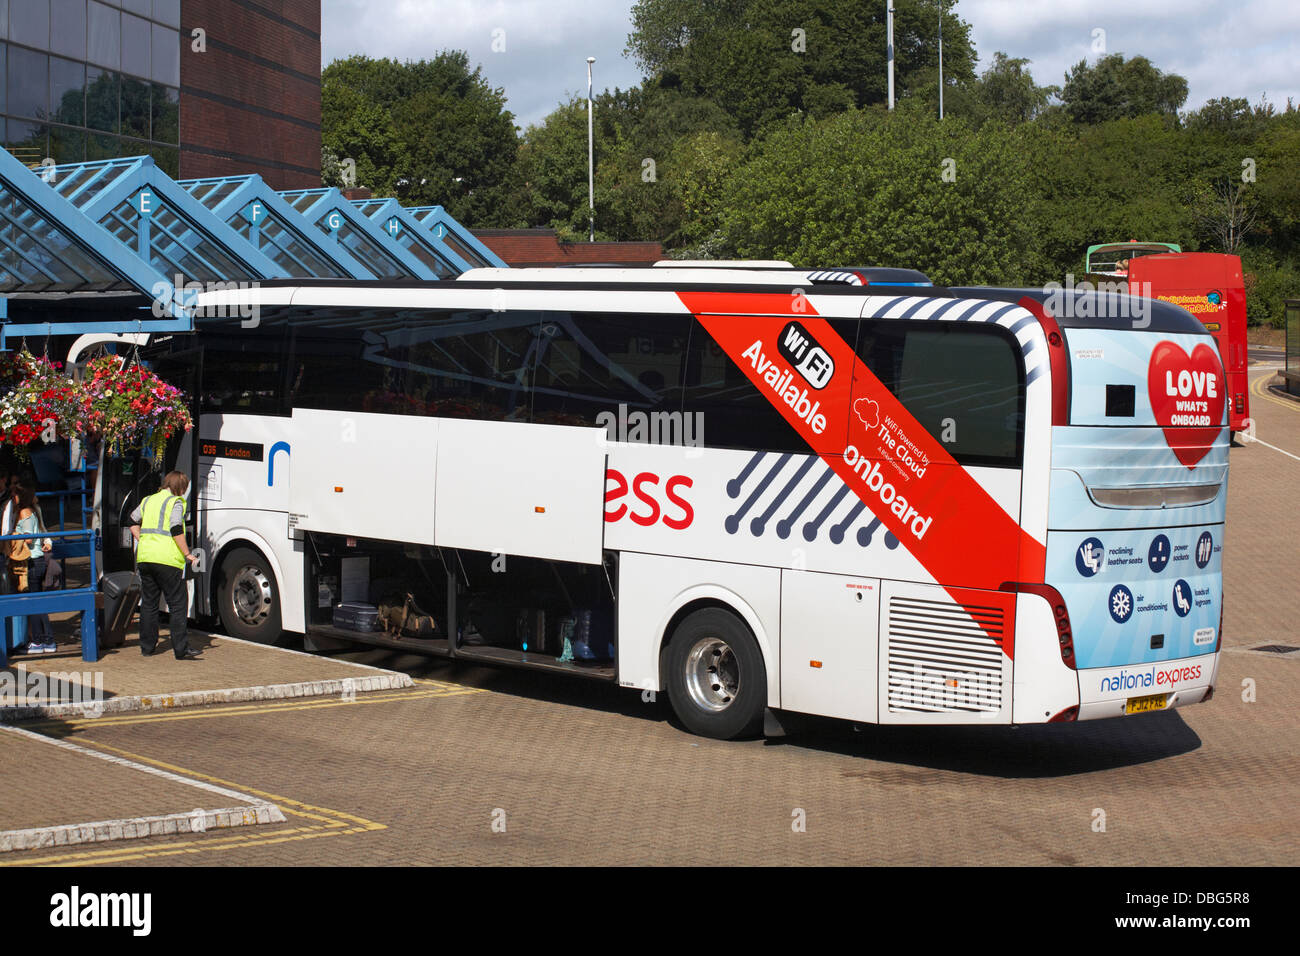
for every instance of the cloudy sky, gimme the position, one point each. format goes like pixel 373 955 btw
pixel 1224 47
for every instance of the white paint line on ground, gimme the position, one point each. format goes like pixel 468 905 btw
pixel 133 765
pixel 254 811
pixel 1259 441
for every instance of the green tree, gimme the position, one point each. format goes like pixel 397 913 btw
pixel 901 189
pixel 649 164
pixel 1116 88
pixel 765 60
pixel 1009 92
pixel 432 131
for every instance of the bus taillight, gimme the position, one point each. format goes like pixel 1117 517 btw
pixel 1060 613
pixel 1070 713
pixel 1239 403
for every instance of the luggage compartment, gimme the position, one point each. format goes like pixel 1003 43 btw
pixel 499 608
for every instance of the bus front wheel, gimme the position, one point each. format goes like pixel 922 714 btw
pixel 716 680
pixel 247 599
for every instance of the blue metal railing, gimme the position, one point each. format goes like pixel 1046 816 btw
pixel 17 605
pixel 63 493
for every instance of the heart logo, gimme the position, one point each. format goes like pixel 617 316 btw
pixel 1187 393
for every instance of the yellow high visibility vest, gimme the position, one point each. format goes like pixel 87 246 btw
pixel 156 544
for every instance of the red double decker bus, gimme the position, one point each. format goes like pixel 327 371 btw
pixel 1209 285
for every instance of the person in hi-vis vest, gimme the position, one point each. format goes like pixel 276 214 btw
pixel 158 526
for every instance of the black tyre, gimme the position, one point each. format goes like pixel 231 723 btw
pixel 716 680
pixel 248 600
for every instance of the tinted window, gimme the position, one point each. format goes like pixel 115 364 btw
pixel 592 363
pixel 242 373
pixel 68 91
pixel 964 383
pixel 166 56
pixel 449 364
pixel 135 108
pixel 28 83
pixel 29 23
pixel 68 36
pixel 165 107
pixel 137 42
pixel 105 34
pixel 102 92
pixel 736 414
pixel 67 145
pixel 167 11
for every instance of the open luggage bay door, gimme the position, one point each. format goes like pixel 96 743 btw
pixel 500 487
pixel 531 490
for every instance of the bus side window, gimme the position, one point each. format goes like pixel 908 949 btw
pixel 732 410
pixel 242 375
pixel 620 364
pixel 475 365
pixel 962 382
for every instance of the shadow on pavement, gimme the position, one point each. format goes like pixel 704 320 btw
pixel 1030 751
pixel 909 753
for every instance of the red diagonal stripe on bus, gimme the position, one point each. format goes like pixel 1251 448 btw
pixel 948 522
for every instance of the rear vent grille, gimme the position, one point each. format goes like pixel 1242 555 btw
pixel 944 658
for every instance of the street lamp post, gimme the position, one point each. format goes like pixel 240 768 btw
pixel 591 163
pixel 889 17
pixel 940 59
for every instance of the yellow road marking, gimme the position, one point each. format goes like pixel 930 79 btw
pixel 1259 390
pixel 318 821
pixel 328 823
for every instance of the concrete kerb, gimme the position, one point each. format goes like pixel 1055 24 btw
pixel 388 680
pixel 138 828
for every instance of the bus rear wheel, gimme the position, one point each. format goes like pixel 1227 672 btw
pixel 247 599
pixel 716 680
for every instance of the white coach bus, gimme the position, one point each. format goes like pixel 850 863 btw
pixel 759 489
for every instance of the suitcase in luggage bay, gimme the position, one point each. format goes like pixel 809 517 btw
pixel 356 616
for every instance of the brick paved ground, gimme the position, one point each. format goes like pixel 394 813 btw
pixel 591 775
pixel 59 786
pixel 1261 566
pixel 585 773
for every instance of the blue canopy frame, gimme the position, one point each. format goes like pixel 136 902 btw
pixel 467 246
pixel 143 206
pixel 260 216
pixel 53 246
pixel 125 225
pixel 332 213
pixel 398 222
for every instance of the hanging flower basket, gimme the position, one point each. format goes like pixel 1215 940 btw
pixel 130 408
pixel 41 402
pixel 127 408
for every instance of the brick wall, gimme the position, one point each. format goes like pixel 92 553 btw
pixel 251 102
pixel 540 247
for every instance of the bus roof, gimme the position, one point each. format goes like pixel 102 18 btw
pixel 562 289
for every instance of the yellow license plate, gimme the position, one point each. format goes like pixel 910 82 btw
pixel 1140 705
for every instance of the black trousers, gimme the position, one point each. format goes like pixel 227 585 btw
pixel 163 579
